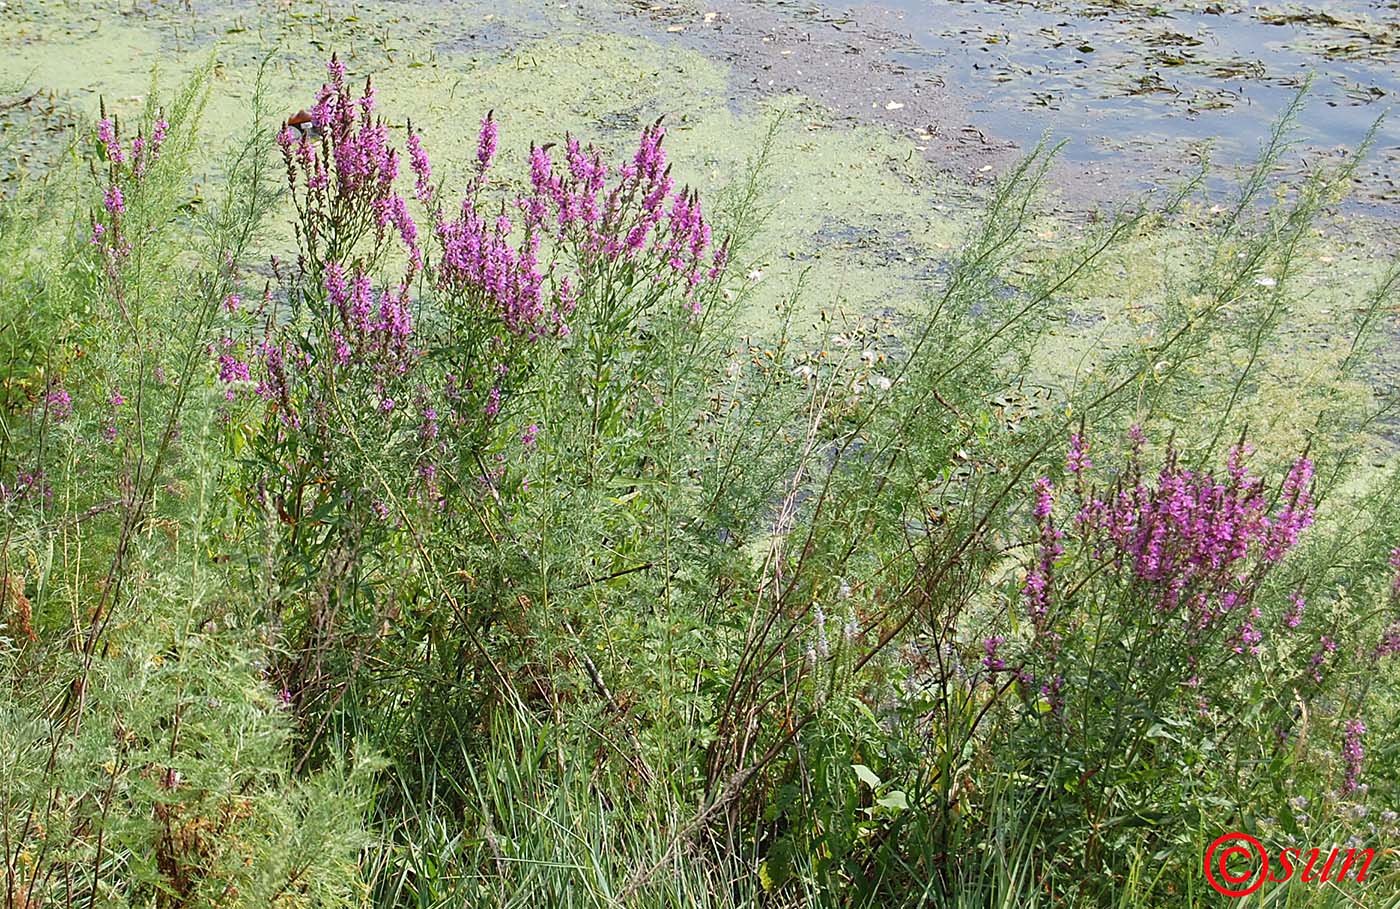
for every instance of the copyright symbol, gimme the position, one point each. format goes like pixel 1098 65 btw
pixel 1218 874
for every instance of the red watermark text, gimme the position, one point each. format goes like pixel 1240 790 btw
pixel 1237 864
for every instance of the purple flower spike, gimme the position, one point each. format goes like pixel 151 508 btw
pixel 59 403
pixel 422 169
pixel 107 135
pixel 990 659
pixel 1078 459
pixel 486 142
pixel 1353 755
pixel 1294 617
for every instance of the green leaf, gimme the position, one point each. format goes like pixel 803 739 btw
pixel 867 776
pixel 895 799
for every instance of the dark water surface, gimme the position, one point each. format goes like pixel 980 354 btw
pixel 1146 81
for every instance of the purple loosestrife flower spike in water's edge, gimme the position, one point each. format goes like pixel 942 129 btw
pixel 138 156
pixel 486 142
pixel 428 429
pixel 1297 512
pixel 650 160
pixel 1249 637
pixel 107 135
pixel 158 137
pixel 515 261
pixel 1044 498
pixel 422 169
pixel 1192 537
pixel 1036 588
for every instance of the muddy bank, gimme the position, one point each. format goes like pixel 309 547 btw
pixel 1141 99
pixel 1137 95
pixel 849 67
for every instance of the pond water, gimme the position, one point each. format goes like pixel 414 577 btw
pixel 1137 79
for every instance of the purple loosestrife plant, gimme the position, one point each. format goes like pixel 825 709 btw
pixel 1199 543
pixel 1077 461
pixel 1294 617
pixel 639 226
pixel 383 395
pixel 122 169
pixel 486 142
pixel 422 169
pixel 1190 550
pixel 638 237
pixel 59 402
pixel 617 253
pixel 126 171
pixel 1037 586
pixel 343 186
pixel 1175 615
pixel 990 660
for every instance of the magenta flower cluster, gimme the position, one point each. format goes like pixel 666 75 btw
pixel 1197 540
pixel 503 274
pixel 234 372
pixel 1038 583
pixel 348 179
pixel 1353 754
pixel 1294 616
pixel 642 214
pixel 486 143
pixel 422 169
pixel 1194 546
pixel 480 259
pixel 990 660
pixel 641 221
pixel 375 328
pixel 1077 461
pixel 126 168
pixel 59 403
